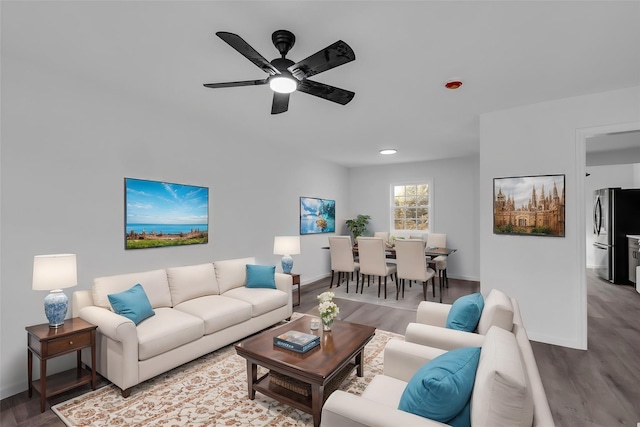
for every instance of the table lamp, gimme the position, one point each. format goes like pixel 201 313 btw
pixel 53 273
pixel 286 246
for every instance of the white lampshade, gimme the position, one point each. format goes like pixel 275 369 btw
pixel 54 272
pixel 286 245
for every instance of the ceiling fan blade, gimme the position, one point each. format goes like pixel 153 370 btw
pixel 331 56
pixel 321 90
pixel 236 84
pixel 280 103
pixel 236 42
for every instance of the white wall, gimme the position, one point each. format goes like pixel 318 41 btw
pixel 66 147
pixel 454 197
pixel 602 177
pixel 636 175
pixel 545 274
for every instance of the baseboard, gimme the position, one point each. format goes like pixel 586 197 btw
pixel 555 341
pixel 308 281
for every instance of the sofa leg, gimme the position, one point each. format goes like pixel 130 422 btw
pixel 127 392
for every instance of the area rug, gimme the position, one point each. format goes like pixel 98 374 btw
pixel 412 295
pixel 209 391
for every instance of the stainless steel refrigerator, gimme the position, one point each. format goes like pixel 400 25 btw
pixel 616 213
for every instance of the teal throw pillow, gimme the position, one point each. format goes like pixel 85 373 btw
pixel 441 389
pixel 465 313
pixel 132 304
pixel 463 419
pixel 261 276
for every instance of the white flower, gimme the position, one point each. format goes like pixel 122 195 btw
pixel 326 296
pixel 327 308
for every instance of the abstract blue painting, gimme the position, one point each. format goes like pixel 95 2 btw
pixel 317 215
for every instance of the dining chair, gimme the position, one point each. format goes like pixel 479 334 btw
pixel 342 261
pixel 412 265
pixel 383 235
pixel 373 262
pixel 439 240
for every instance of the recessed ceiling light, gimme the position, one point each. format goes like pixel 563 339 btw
pixel 453 84
pixel 388 151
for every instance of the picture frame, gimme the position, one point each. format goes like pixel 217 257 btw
pixel 529 205
pixel 317 216
pixel 161 214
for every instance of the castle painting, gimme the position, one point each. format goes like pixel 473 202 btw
pixel 529 205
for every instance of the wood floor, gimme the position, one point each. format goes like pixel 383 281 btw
pixel 599 387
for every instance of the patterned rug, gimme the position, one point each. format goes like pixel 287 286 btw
pixel 209 391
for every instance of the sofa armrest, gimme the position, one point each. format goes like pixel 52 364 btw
pixel 344 409
pixel 284 282
pixel 433 313
pixel 79 300
pixel 403 359
pixel 112 325
pixel 443 338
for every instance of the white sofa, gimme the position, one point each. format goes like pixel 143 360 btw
pixel 505 351
pixel 507 390
pixel 198 309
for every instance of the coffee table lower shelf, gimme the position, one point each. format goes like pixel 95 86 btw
pixel 296 393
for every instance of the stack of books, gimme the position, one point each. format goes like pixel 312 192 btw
pixel 299 342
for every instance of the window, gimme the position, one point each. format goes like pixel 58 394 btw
pixel 410 207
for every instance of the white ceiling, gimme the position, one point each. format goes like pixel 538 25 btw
pixel 507 53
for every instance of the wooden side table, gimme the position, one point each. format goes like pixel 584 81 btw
pixel 47 343
pixel 296 281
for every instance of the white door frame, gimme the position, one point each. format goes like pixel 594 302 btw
pixel 581 169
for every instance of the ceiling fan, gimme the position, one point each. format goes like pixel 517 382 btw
pixel 285 76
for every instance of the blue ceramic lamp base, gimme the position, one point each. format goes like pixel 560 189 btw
pixel 55 307
pixel 287 264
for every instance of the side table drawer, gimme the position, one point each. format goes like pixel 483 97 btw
pixel 64 345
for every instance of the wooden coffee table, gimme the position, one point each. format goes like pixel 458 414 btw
pixel 320 369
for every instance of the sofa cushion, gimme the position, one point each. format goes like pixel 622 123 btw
pixel 498 311
pixel 501 394
pixel 261 276
pixel 216 311
pixel 168 329
pixel 154 282
pixel 441 388
pixel 232 273
pixel 465 313
pixel 262 300
pixel 132 304
pixel 192 281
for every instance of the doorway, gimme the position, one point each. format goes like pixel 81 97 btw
pixel 606 141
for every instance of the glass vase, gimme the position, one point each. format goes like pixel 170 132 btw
pixel 326 324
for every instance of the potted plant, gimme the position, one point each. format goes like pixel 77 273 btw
pixel 358 226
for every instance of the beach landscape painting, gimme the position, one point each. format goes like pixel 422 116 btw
pixel 317 215
pixel 159 214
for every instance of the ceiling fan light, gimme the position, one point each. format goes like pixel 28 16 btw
pixel 283 84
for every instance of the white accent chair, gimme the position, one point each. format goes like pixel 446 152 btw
pixel 373 262
pixel 431 318
pixel 412 265
pixel 439 240
pixel 342 260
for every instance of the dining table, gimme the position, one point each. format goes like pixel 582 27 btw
pixel 431 252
